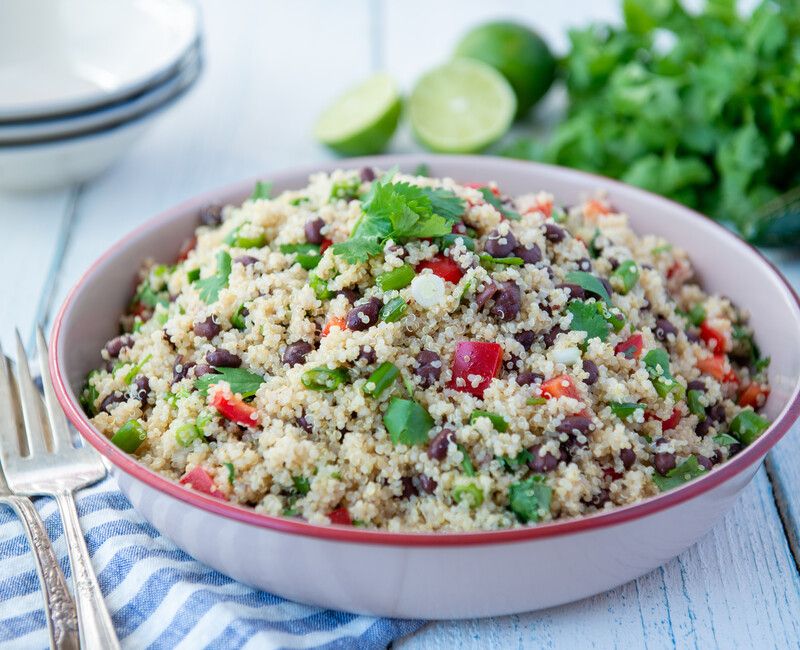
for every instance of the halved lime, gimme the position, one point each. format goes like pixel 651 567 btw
pixel 363 120
pixel 461 107
pixel 519 53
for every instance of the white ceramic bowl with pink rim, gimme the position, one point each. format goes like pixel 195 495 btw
pixel 440 575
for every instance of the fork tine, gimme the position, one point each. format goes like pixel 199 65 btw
pixel 9 427
pixel 31 404
pixel 59 429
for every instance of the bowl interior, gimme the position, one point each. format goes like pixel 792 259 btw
pixel 57 56
pixel 724 263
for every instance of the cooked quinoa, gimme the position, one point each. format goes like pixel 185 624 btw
pixel 409 353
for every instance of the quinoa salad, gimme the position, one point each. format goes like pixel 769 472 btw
pixel 402 352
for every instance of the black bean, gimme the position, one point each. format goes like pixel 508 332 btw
pixel 367 354
pixel 584 264
pixel 512 363
pixel 181 368
pixel 428 368
pixel 203 369
pixel 542 463
pixel 437 448
pixel 692 336
pixel 486 294
pixel 614 262
pixel 118 344
pixel 507 301
pixel 114 398
pixel 717 413
pixel 529 254
pixel 553 233
pixel 409 489
pixel 590 368
pixel 208 328
pixel 573 423
pixel 222 358
pixel 211 215
pixel 576 292
pixel 734 449
pixel 142 384
pixel 628 457
pixel 702 427
pixel 600 498
pixel 367 174
pixel 500 245
pixel 313 230
pixel 607 286
pixel 350 294
pixel 525 338
pixel 245 260
pixel 550 273
pixel 549 337
pixel 304 423
pixel 365 315
pixel 527 378
pixel 696 384
pixel 296 353
pixel 645 305
pixel 704 462
pixel 716 458
pixel 426 484
pixel 664 461
pixel 664 328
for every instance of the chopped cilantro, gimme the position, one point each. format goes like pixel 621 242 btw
pixel 586 318
pixel 589 283
pixel 491 199
pixel 210 287
pixel 529 498
pixel 407 422
pixel 657 363
pixel 624 410
pixel 301 485
pixel 679 475
pixel 520 460
pixel 498 421
pixel 725 440
pixel 748 425
pixel 240 380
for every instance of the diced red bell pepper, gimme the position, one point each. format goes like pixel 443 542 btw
pixel 713 338
pixel 611 473
pixel 672 421
pixel 443 266
pixel 234 408
pixel 326 243
pixel 340 516
pixel 560 386
pixel 475 358
pixel 141 310
pixel 188 247
pixel 754 395
pixel 674 268
pixel 717 368
pixel 199 479
pixel 336 321
pixel 595 208
pixel 631 347
pixel 478 186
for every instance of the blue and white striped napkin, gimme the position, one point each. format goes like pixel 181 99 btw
pixel 159 597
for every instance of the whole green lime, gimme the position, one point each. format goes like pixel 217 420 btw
pixel 516 51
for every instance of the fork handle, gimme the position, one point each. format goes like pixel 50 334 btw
pixel 59 607
pixel 94 622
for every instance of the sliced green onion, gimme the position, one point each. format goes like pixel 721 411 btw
pixel 468 492
pixel 747 426
pixel 695 404
pixel 624 410
pixel 696 315
pixel 231 472
pixel 625 276
pixel 725 440
pixel 396 278
pixel 498 421
pixel 383 377
pixel 324 379
pixel 262 190
pixel 237 319
pixel 393 310
pixel 307 255
pixel 193 275
pixel 466 461
pixel 186 434
pixel 130 436
pixel 489 262
pixel 320 287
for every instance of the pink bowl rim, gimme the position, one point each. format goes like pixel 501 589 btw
pixel 126 463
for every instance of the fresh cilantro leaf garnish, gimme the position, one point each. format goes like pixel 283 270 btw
pixel 401 212
pixel 513 464
pixel 210 287
pixel 725 440
pixel 491 199
pixel 586 318
pixel 679 475
pixel 529 498
pixel 262 190
pixel 407 422
pixel 624 410
pixel 240 380
pixel 657 363
pixel 588 282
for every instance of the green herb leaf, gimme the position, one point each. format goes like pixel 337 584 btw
pixel 725 440
pixel 530 498
pixel 625 276
pixel 498 421
pixel 407 422
pixel 240 380
pixel 210 287
pixel 520 460
pixel 324 379
pixel 589 283
pixel 466 461
pixel 489 262
pixel 624 410
pixel 585 318
pixel 683 473
pixel 491 199
pixel 694 401
pixel 231 472
pixel 748 425
pixel 301 485
pixel 262 190
pixel 657 363
pixel 130 436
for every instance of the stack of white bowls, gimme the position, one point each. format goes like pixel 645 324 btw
pixel 80 80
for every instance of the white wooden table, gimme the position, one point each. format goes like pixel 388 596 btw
pixel 271 67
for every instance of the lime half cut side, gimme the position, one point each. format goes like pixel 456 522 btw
pixel 363 120
pixel 461 107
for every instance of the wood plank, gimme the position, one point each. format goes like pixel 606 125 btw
pixel 271 67
pixel 737 587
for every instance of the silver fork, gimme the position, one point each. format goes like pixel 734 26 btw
pixel 59 608
pixel 55 467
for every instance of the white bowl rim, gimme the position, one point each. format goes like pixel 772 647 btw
pixel 620 514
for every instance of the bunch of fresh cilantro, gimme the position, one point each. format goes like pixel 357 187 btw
pixel 400 212
pixel 703 108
